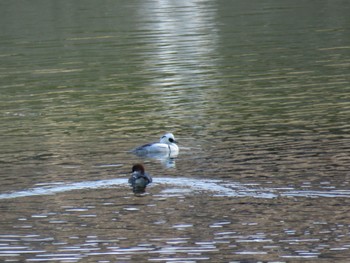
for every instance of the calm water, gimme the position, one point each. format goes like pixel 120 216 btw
pixel 257 93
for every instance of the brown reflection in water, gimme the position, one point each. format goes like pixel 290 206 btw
pixel 113 224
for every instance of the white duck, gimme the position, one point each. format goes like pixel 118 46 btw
pixel 167 144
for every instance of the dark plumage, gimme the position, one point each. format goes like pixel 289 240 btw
pixel 139 179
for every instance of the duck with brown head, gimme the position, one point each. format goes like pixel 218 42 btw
pixel 139 179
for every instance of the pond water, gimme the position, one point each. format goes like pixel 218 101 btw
pixel 256 92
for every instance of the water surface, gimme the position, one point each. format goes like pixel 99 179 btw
pixel 256 92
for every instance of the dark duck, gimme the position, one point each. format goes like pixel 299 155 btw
pixel 139 179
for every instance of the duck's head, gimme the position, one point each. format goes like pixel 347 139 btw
pixel 138 168
pixel 168 138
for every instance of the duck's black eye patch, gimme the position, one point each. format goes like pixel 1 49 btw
pixel 171 140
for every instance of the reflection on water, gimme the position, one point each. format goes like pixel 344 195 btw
pixel 257 91
pixel 183 38
pixel 168 160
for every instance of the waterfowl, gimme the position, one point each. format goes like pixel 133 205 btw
pixel 166 144
pixel 139 179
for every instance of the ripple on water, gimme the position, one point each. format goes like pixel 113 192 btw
pixel 7 250
pixel 182 226
pixel 184 186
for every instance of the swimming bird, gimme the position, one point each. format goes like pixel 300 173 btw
pixel 139 179
pixel 166 144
